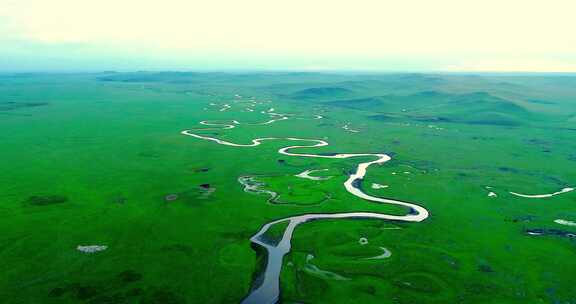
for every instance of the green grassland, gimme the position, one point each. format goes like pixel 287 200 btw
pixel 90 159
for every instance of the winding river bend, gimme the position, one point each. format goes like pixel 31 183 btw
pixel 266 288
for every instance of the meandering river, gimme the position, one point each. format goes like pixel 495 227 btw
pixel 266 288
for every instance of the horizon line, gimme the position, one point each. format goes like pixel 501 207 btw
pixel 265 70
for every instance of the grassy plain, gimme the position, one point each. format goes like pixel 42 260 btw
pixel 89 159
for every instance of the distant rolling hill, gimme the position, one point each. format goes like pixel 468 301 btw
pixel 149 77
pixel 325 92
pixel 435 106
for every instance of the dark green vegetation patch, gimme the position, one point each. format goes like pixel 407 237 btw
pixel 43 200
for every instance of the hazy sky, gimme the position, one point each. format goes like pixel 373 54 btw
pixel 401 35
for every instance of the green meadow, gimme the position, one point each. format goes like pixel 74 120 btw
pixel 99 159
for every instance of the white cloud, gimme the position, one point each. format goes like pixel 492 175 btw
pixel 332 29
pixel 514 65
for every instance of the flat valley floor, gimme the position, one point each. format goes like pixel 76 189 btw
pixel 152 187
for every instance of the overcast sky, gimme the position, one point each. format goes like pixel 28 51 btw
pixel 401 35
